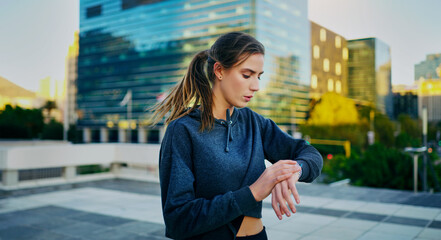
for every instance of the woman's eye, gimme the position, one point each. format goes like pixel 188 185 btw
pixel 245 76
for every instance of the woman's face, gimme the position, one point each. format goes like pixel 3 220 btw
pixel 239 83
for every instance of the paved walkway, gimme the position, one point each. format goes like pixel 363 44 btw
pixel 122 209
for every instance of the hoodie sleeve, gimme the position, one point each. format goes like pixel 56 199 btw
pixel 185 215
pixel 278 145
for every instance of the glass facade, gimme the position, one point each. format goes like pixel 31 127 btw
pixel 283 28
pixel 145 46
pixel 369 74
pixel 405 103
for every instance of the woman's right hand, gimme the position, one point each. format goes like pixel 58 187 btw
pixel 272 175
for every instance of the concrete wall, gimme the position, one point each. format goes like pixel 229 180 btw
pixel 141 158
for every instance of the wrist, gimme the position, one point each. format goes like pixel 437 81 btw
pixel 299 173
pixel 254 192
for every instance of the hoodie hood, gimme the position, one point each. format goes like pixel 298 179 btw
pixel 227 123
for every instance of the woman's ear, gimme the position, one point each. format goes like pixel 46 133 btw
pixel 218 70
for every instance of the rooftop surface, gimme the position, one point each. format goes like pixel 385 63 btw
pixel 126 209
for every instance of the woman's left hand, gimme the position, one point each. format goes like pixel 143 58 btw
pixel 281 194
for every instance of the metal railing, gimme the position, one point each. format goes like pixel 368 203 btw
pixel 42 173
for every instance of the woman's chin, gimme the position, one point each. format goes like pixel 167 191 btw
pixel 241 104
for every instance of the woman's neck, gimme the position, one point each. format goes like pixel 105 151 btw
pixel 221 112
pixel 220 106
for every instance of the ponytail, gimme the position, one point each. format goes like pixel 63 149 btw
pixel 193 90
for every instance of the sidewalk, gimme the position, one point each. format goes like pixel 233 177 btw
pixel 122 209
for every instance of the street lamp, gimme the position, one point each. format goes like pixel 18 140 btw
pixel 415 152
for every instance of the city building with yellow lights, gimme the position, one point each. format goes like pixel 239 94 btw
pixel 429 96
pixel 51 90
pixel 329 71
pixel 70 81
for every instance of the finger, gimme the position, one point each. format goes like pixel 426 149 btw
pixel 286 162
pixel 287 196
pixel 285 171
pixel 282 201
pixel 282 167
pixel 275 205
pixel 294 191
pixel 281 177
pixel 279 206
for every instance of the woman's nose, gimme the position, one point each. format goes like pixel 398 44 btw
pixel 254 84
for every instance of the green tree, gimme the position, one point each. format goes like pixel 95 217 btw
pixel 333 109
pixel 49 106
pixel 73 135
pixel 16 122
pixel 53 130
pixel 379 166
pixel 409 126
pixel 384 130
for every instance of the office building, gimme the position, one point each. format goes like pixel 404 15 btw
pixel 405 100
pixel 70 81
pixel 429 96
pixel 138 49
pixel 369 74
pixel 429 68
pixel 329 70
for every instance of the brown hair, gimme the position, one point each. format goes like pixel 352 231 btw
pixel 194 89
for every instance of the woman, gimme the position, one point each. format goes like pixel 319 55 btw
pixel 212 172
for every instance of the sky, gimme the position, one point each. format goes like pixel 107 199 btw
pixel 34 39
pixel 35 34
pixel 411 28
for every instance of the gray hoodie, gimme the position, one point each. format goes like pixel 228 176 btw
pixel 205 176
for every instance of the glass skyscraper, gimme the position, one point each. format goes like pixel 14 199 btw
pixel 369 74
pixel 145 46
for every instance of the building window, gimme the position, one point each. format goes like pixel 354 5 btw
pixel 322 35
pixel 338 86
pixel 337 41
pixel 345 53
pixel 330 85
pixel 338 68
pixel 326 65
pixel 316 52
pixel 314 81
pixel 127 4
pixel 268 13
pixel 93 11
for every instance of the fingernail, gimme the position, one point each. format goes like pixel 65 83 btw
pixel 280 217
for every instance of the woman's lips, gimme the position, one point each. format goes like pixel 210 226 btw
pixel 248 98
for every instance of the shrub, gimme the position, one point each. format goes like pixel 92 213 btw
pixel 53 130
